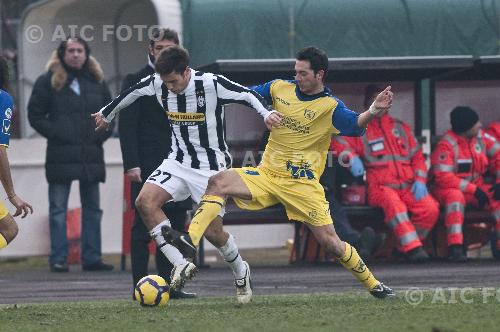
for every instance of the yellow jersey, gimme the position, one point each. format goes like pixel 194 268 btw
pixel 299 147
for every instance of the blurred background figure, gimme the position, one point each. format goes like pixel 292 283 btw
pixel 59 109
pixel 459 164
pixel 366 241
pixel 8 226
pixel 396 176
pixel 494 130
pixel 145 139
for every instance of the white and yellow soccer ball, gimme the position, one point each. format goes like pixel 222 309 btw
pixel 152 290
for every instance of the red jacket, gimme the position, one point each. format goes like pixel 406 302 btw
pixel 390 153
pixel 458 162
pixel 494 130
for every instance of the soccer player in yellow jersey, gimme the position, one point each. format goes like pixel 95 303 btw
pixel 292 164
pixel 8 226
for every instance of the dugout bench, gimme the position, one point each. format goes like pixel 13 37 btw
pixel 477 229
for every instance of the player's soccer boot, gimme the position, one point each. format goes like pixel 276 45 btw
pixel 181 273
pixel 244 287
pixel 381 291
pixel 180 294
pixel 180 240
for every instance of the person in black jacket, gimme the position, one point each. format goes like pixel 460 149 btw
pixel 145 139
pixel 59 109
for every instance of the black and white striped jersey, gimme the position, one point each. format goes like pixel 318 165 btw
pixel 196 115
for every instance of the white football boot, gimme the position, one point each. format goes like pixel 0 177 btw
pixel 244 287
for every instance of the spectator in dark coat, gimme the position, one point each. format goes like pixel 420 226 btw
pixel 59 109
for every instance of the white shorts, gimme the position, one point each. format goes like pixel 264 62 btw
pixel 181 181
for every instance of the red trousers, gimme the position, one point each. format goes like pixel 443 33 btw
pixel 455 202
pixel 396 204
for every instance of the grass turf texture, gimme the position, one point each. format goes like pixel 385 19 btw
pixel 317 312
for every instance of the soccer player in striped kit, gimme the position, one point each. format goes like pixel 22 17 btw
pixel 193 102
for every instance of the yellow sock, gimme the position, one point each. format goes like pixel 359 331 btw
pixel 352 262
pixel 210 207
pixel 3 241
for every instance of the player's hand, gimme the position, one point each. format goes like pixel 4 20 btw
pixel 21 206
pixel 100 123
pixel 273 120
pixel 134 174
pixel 383 101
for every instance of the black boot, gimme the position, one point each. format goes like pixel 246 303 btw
pixel 366 242
pixel 180 240
pixel 456 254
pixel 417 255
pixel 180 294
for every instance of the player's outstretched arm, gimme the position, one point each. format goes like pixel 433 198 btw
pixel 146 87
pixel 22 207
pixel 382 103
pixel 231 91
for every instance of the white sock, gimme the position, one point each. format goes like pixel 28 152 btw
pixel 230 253
pixel 172 253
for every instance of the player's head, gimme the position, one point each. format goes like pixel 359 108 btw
pixel 311 67
pixel 4 74
pixel 173 67
pixel 465 121
pixel 74 52
pixel 160 39
pixel 371 92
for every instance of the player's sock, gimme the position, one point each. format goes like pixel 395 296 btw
pixel 3 241
pixel 230 253
pixel 172 253
pixel 210 207
pixel 352 262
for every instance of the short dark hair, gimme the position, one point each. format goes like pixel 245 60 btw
pixel 163 34
pixel 4 74
pixel 172 59
pixel 316 57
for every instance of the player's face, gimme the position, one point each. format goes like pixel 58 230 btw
pixel 176 82
pixel 74 56
pixel 308 82
pixel 159 46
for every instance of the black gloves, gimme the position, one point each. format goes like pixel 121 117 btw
pixel 496 191
pixel 481 197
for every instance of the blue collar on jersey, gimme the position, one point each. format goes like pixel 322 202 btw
pixel 303 97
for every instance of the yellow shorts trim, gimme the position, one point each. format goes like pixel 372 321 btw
pixel 304 200
pixel 3 211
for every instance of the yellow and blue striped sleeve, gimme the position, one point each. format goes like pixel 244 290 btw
pixel 346 121
pixel 265 91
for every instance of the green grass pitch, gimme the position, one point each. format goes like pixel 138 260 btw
pixel 314 312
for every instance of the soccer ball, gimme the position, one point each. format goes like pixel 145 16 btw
pixel 152 291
